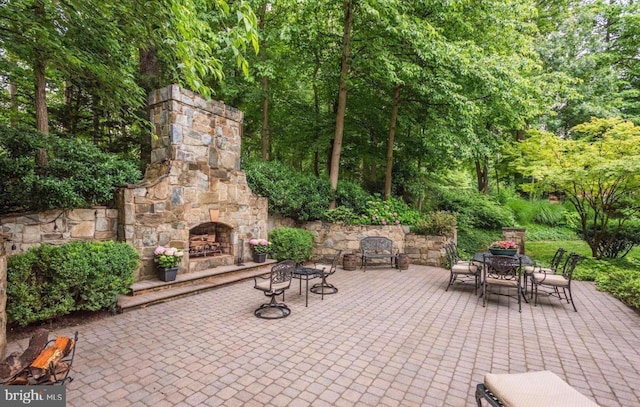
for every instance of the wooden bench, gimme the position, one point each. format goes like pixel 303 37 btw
pixel 377 247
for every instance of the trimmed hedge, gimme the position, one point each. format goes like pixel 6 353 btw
pixel 291 244
pixel 50 281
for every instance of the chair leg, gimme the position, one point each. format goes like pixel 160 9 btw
pixel 571 298
pixel 323 288
pixel 273 305
pixel 484 295
pixel 451 278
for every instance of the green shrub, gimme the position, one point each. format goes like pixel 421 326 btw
pixel 291 244
pixel 390 212
pixel 77 173
pixel 353 196
pixel 50 281
pixel 550 215
pixel 438 223
pixel 623 284
pixel 475 210
pixel 341 214
pixel 291 194
pixel 471 241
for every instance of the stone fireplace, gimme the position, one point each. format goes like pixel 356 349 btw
pixel 194 195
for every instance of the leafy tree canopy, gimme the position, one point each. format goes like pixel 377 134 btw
pixel 597 168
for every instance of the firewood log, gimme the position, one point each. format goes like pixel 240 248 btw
pixel 14 364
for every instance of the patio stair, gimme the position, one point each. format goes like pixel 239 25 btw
pixel 149 292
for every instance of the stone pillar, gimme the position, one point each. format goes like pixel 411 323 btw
pixel 517 235
pixel 3 302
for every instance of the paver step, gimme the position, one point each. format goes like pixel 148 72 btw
pixel 145 293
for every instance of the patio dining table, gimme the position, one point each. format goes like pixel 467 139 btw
pixel 526 260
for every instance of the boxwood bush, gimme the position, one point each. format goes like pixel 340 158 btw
pixel 291 244
pixel 50 281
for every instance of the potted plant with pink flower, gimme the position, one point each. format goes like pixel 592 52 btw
pixel 167 259
pixel 260 248
pixel 503 248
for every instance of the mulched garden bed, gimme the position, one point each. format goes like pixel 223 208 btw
pixel 17 332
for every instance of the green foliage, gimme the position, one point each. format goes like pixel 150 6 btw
pixel 438 223
pixel 390 212
pixel 615 241
pixel 597 168
pixel 77 173
pixel 538 211
pixel 546 215
pixel 305 198
pixel 341 214
pixel 50 281
pixel 475 210
pixel 540 232
pixel 471 241
pixel 622 283
pixel 291 244
pixel 353 196
pixel 291 194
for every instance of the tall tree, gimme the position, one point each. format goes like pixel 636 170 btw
pixel 597 168
pixel 349 9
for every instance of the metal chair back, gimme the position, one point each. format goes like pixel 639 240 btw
pixel 557 259
pixel 503 267
pixel 570 265
pixel 282 272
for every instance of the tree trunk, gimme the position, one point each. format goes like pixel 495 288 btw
pixel 392 134
pixel 482 172
pixel 342 100
pixel 13 100
pixel 264 131
pixel 39 73
pixel 316 111
pixel 149 80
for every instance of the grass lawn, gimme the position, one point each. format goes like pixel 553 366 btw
pixel 542 251
pixel 619 277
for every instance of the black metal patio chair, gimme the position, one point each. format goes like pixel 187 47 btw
pixel 461 269
pixel 503 272
pixel 558 281
pixel 324 287
pixel 556 260
pixel 272 285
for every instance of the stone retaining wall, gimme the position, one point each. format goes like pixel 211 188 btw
pixel 517 235
pixel 329 237
pixel 58 226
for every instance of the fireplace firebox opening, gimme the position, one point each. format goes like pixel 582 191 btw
pixel 210 239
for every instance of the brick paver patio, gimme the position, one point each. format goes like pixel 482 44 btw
pixel 388 338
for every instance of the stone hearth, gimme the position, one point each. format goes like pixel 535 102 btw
pixel 194 186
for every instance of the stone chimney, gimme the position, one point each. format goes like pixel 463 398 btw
pixel 194 184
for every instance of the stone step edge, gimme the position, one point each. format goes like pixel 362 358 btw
pixel 128 302
pixel 182 279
